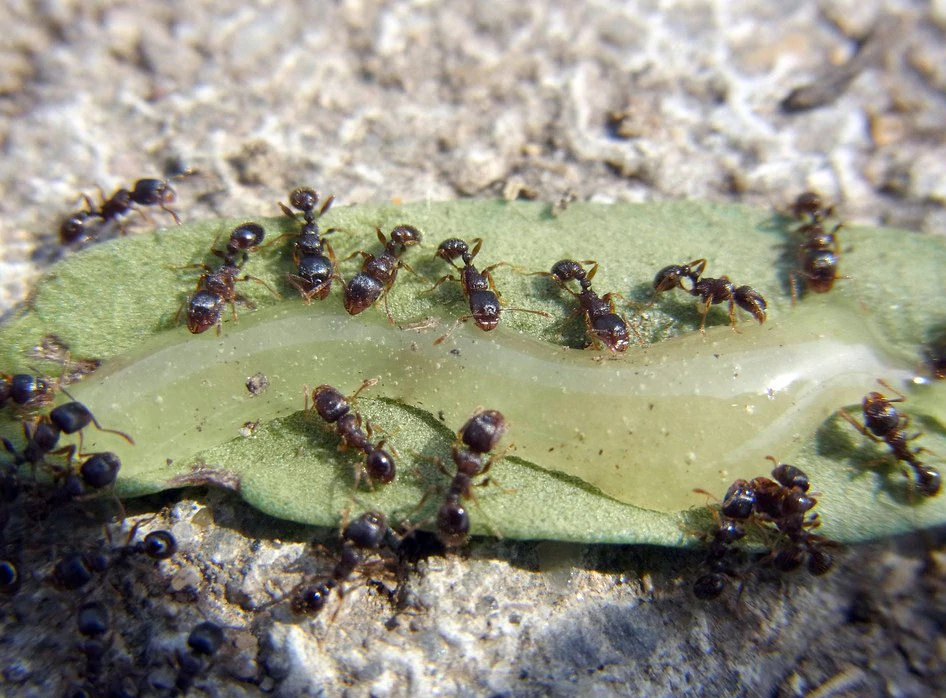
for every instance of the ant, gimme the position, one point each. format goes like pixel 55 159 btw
pixel 204 642
pixel 75 570
pixel 711 291
pixel 93 622
pixel 335 408
pixel 784 503
pixel 602 324
pixel 882 422
pixel 215 287
pixel 25 390
pixel 480 435
pixel 42 433
pixel 377 274
pixel 145 192
pixel 364 535
pixel 314 270
pixel 478 286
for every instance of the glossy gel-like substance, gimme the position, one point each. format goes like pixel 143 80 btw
pixel 645 428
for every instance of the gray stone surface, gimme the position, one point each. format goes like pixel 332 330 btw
pixel 411 101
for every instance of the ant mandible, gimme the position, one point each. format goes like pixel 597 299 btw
pixel 377 274
pixel 602 324
pixel 478 286
pixel 883 423
pixel 314 270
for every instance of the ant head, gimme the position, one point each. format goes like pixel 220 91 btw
pixel 152 192
pixel 451 249
pixel 566 270
pixel 303 199
pixel 71 417
pixel 483 430
pixel 203 311
pixel 406 235
pixel 247 235
pixel 100 469
pixel 367 531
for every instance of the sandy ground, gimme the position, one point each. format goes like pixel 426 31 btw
pixel 412 101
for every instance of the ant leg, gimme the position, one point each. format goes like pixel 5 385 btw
pixel 387 309
pixel 367 255
pixel 900 396
pixel 860 427
pixel 448 277
pixel 368 382
pixel 457 324
pixel 793 284
pixel 706 309
pixel 262 283
pixel 732 316
pixel 327 205
pixel 98 426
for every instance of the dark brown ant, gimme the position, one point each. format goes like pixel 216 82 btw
pixel 365 534
pixel 335 408
pixel 479 435
pixel 721 290
pixel 82 225
pixel 478 286
pixel 377 274
pixel 26 390
pixel 819 252
pixel 215 288
pixel 711 291
pixel 818 256
pixel 883 423
pixel 315 270
pixel 603 326
pixel 784 503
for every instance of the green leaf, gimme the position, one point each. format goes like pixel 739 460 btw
pixel 604 447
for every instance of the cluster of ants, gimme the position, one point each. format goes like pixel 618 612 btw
pixel 369 534
pixel 783 504
pixel 71 475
